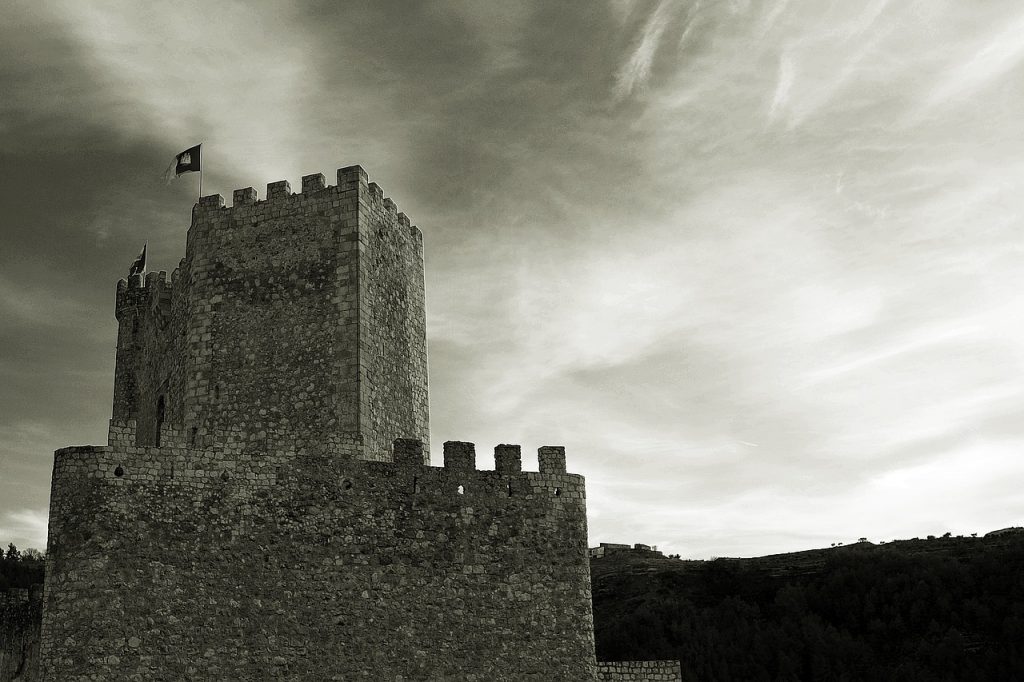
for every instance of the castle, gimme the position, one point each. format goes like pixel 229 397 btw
pixel 264 507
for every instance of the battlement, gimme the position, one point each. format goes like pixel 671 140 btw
pixel 314 189
pixel 123 464
pixel 152 291
pixel 393 559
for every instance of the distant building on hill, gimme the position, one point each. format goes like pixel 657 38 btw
pixel 606 548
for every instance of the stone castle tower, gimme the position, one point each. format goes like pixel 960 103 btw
pixel 292 323
pixel 264 507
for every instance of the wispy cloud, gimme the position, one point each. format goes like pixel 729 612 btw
pixel 993 55
pixel 637 68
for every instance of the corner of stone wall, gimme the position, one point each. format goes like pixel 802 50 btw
pixel 121 433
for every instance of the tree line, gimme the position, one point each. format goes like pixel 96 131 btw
pixel 21 568
pixel 867 613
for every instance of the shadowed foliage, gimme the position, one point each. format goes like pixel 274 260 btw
pixel 938 609
pixel 20 569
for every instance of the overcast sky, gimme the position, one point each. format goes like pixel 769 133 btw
pixel 757 265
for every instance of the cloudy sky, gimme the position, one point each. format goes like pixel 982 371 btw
pixel 757 265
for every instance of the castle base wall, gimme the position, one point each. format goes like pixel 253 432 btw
pixel 170 563
pixel 21 615
pixel 639 671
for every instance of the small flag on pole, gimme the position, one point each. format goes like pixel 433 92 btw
pixel 139 266
pixel 189 161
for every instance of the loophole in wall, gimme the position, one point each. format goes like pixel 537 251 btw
pixel 119 471
pixel 224 476
pixel 346 484
pixel 558 492
pixel 461 490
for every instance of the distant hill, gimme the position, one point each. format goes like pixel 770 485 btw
pixel 937 609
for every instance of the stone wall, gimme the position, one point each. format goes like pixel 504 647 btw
pixel 21 615
pixel 392 344
pixel 149 362
pixel 639 671
pixel 293 323
pixel 185 563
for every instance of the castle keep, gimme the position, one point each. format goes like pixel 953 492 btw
pixel 294 323
pixel 264 507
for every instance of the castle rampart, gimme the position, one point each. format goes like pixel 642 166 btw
pixel 205 564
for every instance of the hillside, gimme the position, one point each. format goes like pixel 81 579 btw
pixel 936 609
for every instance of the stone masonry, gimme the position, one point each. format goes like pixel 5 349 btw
pixel 639 671
pixel 294 323
pixel 20 621
pixel 264 507
pixel 171 564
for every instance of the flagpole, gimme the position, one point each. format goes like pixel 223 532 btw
pixel 199 148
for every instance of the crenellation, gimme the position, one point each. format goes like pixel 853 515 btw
pixel 391 210
pixel 459 455
pixel 313 183
pixel 376 194
pixel 352 177
pixel 278 190
pixel 551 459
pixel 211 201
pixel 155 279
pixel 409 452
pixel 123 464
pixel 246 196
pixel 508 459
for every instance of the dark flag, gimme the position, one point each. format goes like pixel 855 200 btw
pixel 189 161
pixel 139 266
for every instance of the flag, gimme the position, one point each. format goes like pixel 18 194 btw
pixel 139 266
pixel 188 161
